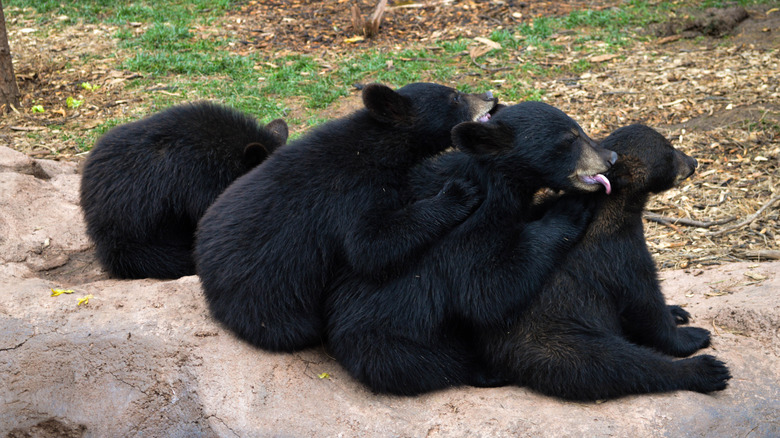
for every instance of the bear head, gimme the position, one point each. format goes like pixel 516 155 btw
pixel 426 111
pixel 539 146
pixel 647 160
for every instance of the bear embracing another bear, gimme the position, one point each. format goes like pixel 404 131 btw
pixel 146 184
pixel 414 332
pixel 335 200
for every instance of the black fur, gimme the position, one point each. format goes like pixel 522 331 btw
pixel 335 199
pixel 600 327
pixel 146 184
pixel 411 333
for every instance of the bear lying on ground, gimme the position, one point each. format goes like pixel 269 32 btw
pixel 600 327
pixel 146 184
pixel 335 199
pixel 411 333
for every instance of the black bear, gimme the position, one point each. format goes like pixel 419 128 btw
pixel 335 199
pixel 146 184
pixel 409 333
pixel 600 328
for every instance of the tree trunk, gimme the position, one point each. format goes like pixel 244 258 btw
pixel 9 92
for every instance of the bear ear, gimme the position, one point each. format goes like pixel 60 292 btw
pixel 254 154
pixel 482 138
pixel 278 128
pixel 385 105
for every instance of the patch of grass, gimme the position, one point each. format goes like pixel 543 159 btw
pixel 315 120
pixel 580 66
pixel 519 94
pixel 761 125
pixel 537 32
pixel 188 63
pixel 166 35
pixel 299 76
pixel 87 141
pixel 456 46
pixel 506 38
pixel 119 11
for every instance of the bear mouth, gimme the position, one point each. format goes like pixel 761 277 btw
pixel 597 179
pixel 483 118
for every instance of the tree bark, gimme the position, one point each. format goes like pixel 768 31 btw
pixel 9 92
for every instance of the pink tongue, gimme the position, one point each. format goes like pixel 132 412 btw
pixel 484 118
pixel 599 179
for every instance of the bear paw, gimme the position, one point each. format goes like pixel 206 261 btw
pixel 572 214
pixel 690 340
pixel 681 316
pixel 708 374
pixel 460 196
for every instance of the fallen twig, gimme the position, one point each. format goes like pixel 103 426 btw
pixel 747 221
pixel 666 220
pixel 762 254
pixel 489 69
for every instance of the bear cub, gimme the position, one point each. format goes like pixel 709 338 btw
pixel 600 328
pixel 411 332
pixel 335 200
pixel 146 184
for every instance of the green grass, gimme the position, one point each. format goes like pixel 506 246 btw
pixel 120 12
pixel 164 47
pixel 84 142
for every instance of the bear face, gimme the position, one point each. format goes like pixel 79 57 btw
pixel 651 163
pixel 600 328
pixel 335 200
pixel 146 183
pixel 543 145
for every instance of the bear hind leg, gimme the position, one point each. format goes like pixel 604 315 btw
pixel 399 366
pixel 158 259
pixel 593 367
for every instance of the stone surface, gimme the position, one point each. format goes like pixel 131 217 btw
pixel 144 358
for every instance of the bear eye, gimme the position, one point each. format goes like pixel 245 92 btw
pixel 456 98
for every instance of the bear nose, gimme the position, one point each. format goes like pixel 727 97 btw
pixel 489 95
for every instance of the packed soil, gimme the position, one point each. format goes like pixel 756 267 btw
pixel 707 80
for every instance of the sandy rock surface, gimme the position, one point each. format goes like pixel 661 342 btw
pixel 143 358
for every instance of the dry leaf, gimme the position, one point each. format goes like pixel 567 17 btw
pixel 668 39
pixel 602 58
pixel 477 51
pixel 754 276
pixel 490 43
pixel 91 124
